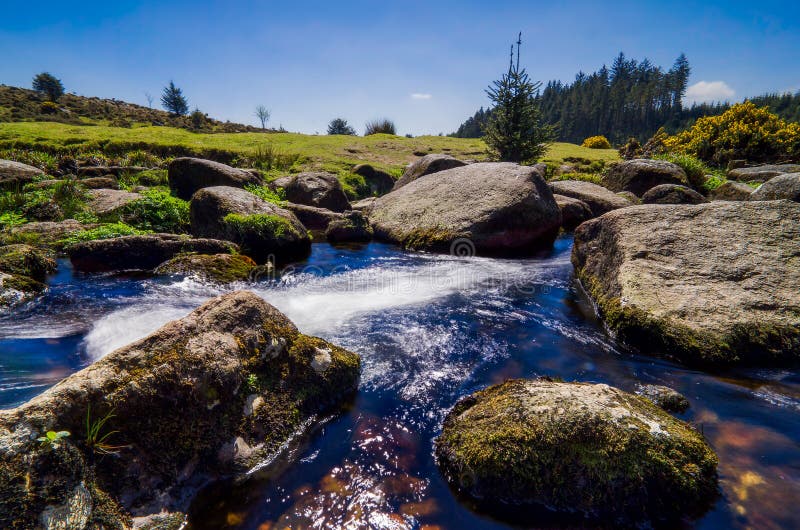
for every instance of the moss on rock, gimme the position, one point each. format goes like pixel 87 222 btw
pixel 589 448
pixel 26 260
pixel 216 268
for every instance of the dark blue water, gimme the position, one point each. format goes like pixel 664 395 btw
pixel 430 329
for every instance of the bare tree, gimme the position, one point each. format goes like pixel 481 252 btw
pixel 262 114
pixel 149 97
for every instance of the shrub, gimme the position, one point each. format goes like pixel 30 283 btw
pixel 381 126
pixel 141 158
pixel 48 107
pixel 742 132
pixel 596 142
pixel 340 126
pixel 158 211
pixel 49 86
pixel 275 196
pixel 695 169
pixel 632 149
pixel 106 231
pixel 44 161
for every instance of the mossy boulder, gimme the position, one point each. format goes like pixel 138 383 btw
pixel 188 175
pixel 108 202
pixel 500 208
pixel 639 175
pixel 611 456
pixel 352 227
pixel 761 173
pixel 665 397
pixel 140 252
pixel 379 182
pixel 711 284
pixel 204 397
pixel 26 260
pixel 16 288
pixel 432 163
pixel 215 268
pixel 46 233
pixel 318 189
pixel 264 231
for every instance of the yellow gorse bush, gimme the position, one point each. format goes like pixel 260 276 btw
pixel 596 142
pixel 742 132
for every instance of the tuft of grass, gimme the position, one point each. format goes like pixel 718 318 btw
pixel 594 178
pixel 354 186
pixel 694 168
pixel 275 196
pixel 96 440
pixel 380 126
pixel 264 224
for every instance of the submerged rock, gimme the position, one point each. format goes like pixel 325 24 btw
pixel 322 190
pixel 264 231
pixel 780 187
pixel 607 454
pixel 187 175
pixel 26 260
pixel 732 191
pixel 426 165
pixel 672 194
pixel 715 283
pixel 761 173
pixel 16 288
pixel 664 397
pixel 16 174
pixel 206 396
pixel 500 208
pixel 144 252
pixel 639 175
pixel 216 268
pixel 573 211
pixel 599 199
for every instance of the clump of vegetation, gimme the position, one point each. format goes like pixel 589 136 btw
pixel 354 186
pixel 158 211
pixel 380 126
pixel 105 231
pixel 631 149
pixel 742 132
pixel 52 439
pixel 594 178
pixel 265 225
pixel 340 126
pixel 96 440
pixel 596 142
pixel 173 100
pixel 275 196
pixel 48 86
pixel 11 219
pixel 40 159
pixel 48 107
pixel 61 200
pixel 695 169
pixel 515 131
pixel 268 157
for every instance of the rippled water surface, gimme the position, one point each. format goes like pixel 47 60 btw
pixel 429 329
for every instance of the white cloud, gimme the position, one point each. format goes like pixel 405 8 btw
pixel 417 95
pixel 709 91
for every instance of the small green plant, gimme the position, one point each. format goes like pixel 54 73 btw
pixel 11 219
pixel 251 383
pixel 95 439
pixel 275 196
pixel 158 211
pixel 695 169
pixel 52 439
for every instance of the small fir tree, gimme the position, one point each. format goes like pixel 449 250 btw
pixel 174 101
pixel 515 131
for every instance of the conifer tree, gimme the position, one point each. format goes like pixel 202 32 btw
pixel 49 86
pixel 515 131
pixel 173 100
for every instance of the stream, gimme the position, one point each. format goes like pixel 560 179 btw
pixel 430 329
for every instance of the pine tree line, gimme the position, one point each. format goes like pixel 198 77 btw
pixel 630 99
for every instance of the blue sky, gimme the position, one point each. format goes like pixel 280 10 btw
pixel 423 64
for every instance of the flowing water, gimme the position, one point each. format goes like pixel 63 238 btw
pixel 429 330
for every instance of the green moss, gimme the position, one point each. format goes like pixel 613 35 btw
pixel 430 239
pixel 27 261
pixel 105 231
pixel 275 196
pixel 264 225
pixel 218 268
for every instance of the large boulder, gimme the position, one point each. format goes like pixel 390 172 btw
pixel 710 284
pixel 379 182
pixel 425 166
pixel 204 397
pixel 263 230
pixel 214 268
pixel 732 191
pixel 364 205
pixel 573 211
pixel 313 218
pixel 353 227
pixel 187 175
pixel 611 456
pixel 322 190
pixel 106 202
pixel 639 175
pixel 672 194
pixel 16 174
pixel 599 199
pixel 499 208
pixel 780 187
pixel 761 173
pixel 144 252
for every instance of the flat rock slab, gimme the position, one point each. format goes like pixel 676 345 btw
pixel 732 191
pixel 499 208
pixel 762 173
pixel 712 284
pixel 107 201
pixel 143 252
pixel 16 173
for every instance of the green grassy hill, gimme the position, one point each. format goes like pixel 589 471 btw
pixel 287 151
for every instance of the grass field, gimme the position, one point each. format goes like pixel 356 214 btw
pixel 333 153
